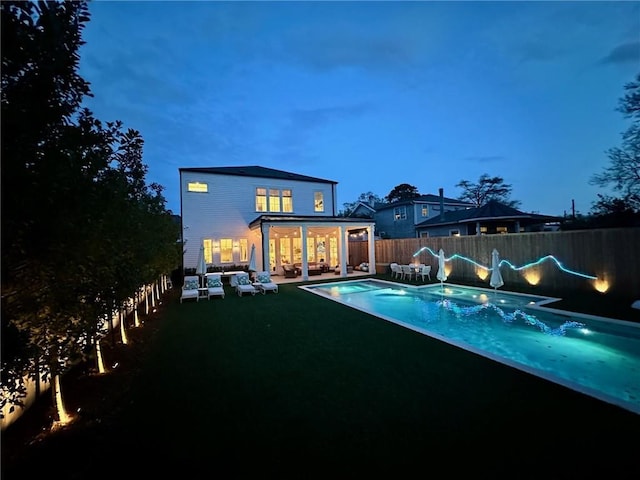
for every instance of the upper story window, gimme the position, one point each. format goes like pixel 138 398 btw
pixel 274 200
pixel 287 201
pixel 425 210
pixel 197 187
pixel 318 202
pixel 261 199
pixel 400 213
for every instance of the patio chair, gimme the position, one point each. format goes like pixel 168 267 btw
pixel 407 271
pixel 244 284
pixel 264 283
pixel 396 271
pixel 214 285
pixel 190 288
pixel 425 271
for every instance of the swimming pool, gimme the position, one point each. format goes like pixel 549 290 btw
pixel 594 355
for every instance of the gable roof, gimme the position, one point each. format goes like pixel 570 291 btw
pixel 256 171
pixel 492 210
pixel 428 198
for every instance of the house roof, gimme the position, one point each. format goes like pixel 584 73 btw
pixel 286 218
pixel 256 171
pixel 492 210
pixel 428 198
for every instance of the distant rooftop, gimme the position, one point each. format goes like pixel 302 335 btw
pixel 256 171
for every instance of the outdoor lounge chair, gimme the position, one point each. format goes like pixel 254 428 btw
pixel 190 288
pixel 214 285
pixel 244 284
pixel 264 283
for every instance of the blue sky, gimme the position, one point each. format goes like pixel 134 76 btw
pixel 371 94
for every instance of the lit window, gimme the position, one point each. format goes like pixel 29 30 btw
pixel 208 255
pixel 425 211
pixel 197 187
pixel 454 233
pixel 318 202
pixel 287 201
pixel 399 213
pixel 483 230
pixel 274 200
pixel 261 199
pixel 501 230
pixel 244 250
pixel 226 250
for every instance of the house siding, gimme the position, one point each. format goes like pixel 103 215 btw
pixel 228 207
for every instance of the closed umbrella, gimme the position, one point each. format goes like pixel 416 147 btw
pixel 252 258
pixel 201 269
pixel 496 277
pixel 441 275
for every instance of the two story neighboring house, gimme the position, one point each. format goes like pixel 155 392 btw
pixel 290 218
pixel 400 219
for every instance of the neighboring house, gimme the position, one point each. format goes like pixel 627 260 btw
pixel 290 218
pixel 491 218
pixel 400 219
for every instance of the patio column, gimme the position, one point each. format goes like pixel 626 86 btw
pixel 372 250
pixel 477 228
pixel 344 252
pixel 305 260
pixel 264 230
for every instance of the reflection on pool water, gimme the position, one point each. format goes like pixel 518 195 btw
pixel 594 355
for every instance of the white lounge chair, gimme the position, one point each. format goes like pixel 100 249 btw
pixel 190 288
pixel 214 285
pixel 244 284
pixel 264 283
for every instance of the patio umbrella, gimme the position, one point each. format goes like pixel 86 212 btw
pixel 201 269
pixel 441 275
pixel 252 258
pixel 496 277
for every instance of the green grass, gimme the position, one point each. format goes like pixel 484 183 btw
pixel 292 385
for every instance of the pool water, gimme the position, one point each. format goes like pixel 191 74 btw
pixel 594 355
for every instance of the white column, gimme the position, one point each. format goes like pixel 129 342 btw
pixel 305 260
pixel 372 250
pixel 265 248
pixel 344 250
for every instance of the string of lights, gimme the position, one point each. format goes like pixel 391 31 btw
pixel 509 264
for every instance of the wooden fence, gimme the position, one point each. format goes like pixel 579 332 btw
pixel 611 255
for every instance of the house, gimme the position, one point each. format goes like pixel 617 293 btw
pixel 400 219
pixel 491 218
pixel 290 218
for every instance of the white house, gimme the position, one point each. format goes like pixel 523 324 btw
pixel 290 219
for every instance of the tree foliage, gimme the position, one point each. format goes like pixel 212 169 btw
pixel 81 228
pixel 486 189
pixel 403 191
pixel 623 172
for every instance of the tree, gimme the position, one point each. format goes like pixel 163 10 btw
pixel 623 172
pixel 369 198
pixel 487 189
pixel 404 191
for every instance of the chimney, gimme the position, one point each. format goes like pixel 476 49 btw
pixel 441 192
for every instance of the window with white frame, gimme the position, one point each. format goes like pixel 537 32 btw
pixel 425 210
pixel 261 199
pixel 287 201
pixel 274 200
pixel 400 213
pixel 424 234
pixel 226 250
pixel 318 202
pixel 208 250
pixel 244 250
pixel 197 187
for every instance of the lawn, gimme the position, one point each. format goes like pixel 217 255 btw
pixel 291 385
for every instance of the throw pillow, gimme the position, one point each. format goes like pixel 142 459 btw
pixel 264 278
pixel 244 280
pixel 191 285
pixel 213 282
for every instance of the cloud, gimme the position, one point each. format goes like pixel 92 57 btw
pixel 625 53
